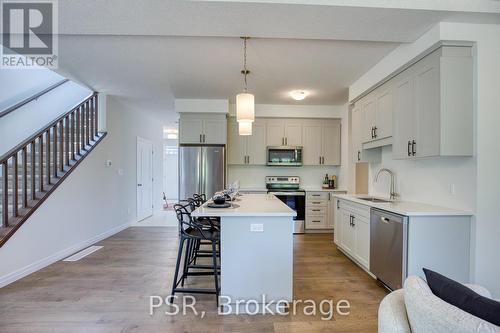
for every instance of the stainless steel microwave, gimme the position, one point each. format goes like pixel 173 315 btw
pixel 284 156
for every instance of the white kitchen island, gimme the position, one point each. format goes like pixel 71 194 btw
pixel 256 250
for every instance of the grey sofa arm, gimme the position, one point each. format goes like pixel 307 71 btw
pixel 392 316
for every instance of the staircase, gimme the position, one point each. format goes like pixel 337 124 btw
pixel 32 170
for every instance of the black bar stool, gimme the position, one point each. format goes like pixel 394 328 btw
pixel 192 232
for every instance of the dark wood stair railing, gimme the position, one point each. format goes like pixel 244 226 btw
pixel 33 169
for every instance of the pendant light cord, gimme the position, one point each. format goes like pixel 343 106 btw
pixel 245 61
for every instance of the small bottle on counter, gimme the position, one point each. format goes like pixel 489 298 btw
pixel 325 182
pixel 332 182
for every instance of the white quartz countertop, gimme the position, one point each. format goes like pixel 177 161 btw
pixel 406 208
pixel 249 205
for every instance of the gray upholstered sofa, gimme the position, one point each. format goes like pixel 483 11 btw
pixel 415 309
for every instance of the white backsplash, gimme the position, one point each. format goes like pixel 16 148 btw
pixel 449 182
pixel 254 176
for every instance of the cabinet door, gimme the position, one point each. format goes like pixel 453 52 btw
pixel 403 115
pixel 236 145
pixel 362 240
pixel 330 142
pixel 190 130
pixel 256 148
pixel 337 226
pixel 275 132
pixel 293 132
pixel 356 134
pixel 347 241
pixel 368 112
pixel 383 106
pixel 215 131
pixel 312 138
pixel 427 107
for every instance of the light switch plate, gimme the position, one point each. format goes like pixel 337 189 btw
pixel 256 227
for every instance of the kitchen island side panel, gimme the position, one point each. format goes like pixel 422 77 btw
pixel 257 263
pixel 440 243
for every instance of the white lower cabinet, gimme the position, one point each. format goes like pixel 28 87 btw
pixel 352 231
pixel 320 210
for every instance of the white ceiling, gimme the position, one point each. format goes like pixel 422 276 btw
pixel 150 52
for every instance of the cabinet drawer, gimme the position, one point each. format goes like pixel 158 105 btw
pixel 316 203
pixel 316 222
pixel 317 195
pixel 313 211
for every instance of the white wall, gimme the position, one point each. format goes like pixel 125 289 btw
pixel 23 122
pixel 311 176
pixel 19 84
pixel 429 180
pixel 94 202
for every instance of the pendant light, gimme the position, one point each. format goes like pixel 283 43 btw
pixel 245 102
pixel 245 128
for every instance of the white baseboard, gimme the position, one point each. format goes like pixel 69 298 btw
pixel 31 268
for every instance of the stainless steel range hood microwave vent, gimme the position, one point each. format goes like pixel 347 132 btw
pixel 284 156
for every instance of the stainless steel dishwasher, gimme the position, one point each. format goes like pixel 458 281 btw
pixel 388 247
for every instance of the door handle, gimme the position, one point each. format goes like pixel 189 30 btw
pixel 316 210
pixel 139 185
pixel 282 141
pixel 413 147
pixel 320 160
pixel 286 141
pixel 409 148
pixel 204 138
pixel 375 132
pixel 353 223
pixel 201 137
pixel 338 204
pixel 248 159
pixel 359 155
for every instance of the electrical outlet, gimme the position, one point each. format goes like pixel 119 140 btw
pixel 256 227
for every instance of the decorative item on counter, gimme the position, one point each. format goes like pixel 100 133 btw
pixel 219 198
pixel 325 182
pixel 332 183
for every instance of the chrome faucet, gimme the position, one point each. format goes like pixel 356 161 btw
pixel 392 195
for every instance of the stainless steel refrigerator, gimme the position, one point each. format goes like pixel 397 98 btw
pixel 202 169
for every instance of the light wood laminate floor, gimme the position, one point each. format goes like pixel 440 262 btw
pixel 109 291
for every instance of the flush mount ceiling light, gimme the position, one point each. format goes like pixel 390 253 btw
pixel 245 128
pixel 245 102
pixel 298 95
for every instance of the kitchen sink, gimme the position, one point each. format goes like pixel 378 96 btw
pixel 373 199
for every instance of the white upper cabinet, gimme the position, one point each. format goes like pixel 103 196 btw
pixel 256 144
pixel 319 139
pixel 369 116
pixel 321 142
pixel 284 132
pixel 383 112
pixel 433 106
pixel 311 151
pixel 190 131
pixel 236 144
pixel 358 153
pixel 249 150
pixel 293 132
pixel 275 132
pixel 202 128
pixel 330 142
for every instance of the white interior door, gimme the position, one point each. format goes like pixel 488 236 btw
pixel 144 178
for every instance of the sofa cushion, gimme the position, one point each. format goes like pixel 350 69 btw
pixel 463 298
pixel 427 313
pixel 392 314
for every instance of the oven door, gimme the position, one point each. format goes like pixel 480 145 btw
pixel 284 156
pixel 297 202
